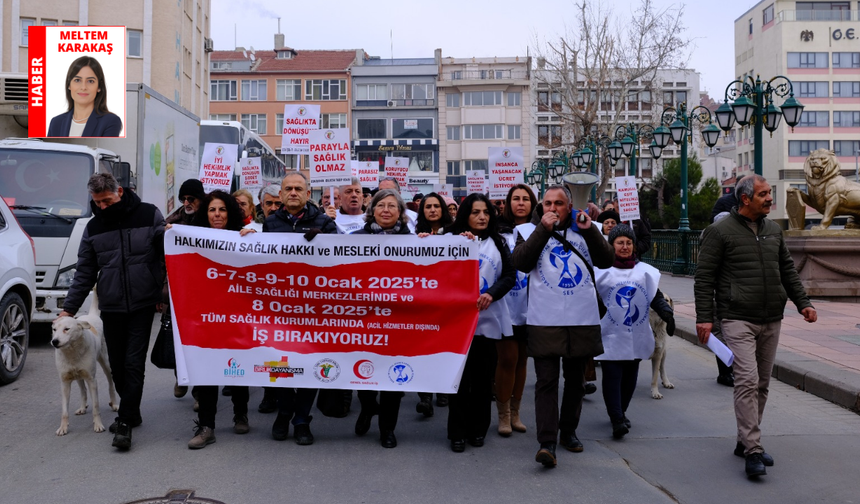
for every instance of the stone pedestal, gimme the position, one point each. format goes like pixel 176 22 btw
pixel 828 262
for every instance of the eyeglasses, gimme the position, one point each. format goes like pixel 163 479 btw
pixel 190 199
pixel 278 204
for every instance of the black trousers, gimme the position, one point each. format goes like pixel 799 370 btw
pixel 619 383
pixel 546 395
pixel 469 410
pixel 207 398
pixel 388 407
pixel 296 404
pixel 127 339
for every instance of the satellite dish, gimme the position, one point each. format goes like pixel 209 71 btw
pixel 253 58
pixel 252 50
pixel 244 53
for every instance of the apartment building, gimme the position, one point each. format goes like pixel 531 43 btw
pixel 817 46
pixel 253 86
pixel 483 102
pixel 167 47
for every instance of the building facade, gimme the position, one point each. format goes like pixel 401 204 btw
pixel 817 46
pixel 483 102
pixel 177 32
pixel 253 87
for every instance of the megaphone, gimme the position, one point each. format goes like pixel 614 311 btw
pixel 579 184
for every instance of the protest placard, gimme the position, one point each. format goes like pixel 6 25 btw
pixel 330 162
pixel 397 167
pixel 476 181
pixel 299 120
pixel 628 198
pixel 216 166
pixel 252 176
pixel 444 190
pixel 367 172
pixel 375 312
pixel 506 170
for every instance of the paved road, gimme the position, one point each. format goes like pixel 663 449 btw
pixel 679 450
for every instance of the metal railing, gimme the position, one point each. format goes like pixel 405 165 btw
pixel 818 15
pixel 674 251
pixel 456 75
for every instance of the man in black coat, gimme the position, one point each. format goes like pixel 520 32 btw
pixel 123 249
pixel 296 216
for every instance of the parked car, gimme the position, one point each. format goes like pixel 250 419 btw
pixel 17 293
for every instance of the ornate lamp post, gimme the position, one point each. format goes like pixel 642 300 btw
pixel 753 103
pixel 629 137
pixel 589 154
pixel 541 172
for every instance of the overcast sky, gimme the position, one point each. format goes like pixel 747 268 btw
pixel 461 28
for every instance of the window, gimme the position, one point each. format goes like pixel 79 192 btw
pixel 412 128
pixel 227 117
pixel 255 123
pixel 667 99
pixel 325 90
pixel 513 132
pixel 681 96
pixel 846 60
pixel 543 136
pixel 279 124
pixel 482 132
pixel 457 75
pixel 846 89
pixel 823 11
pixel 452 100
pixel 804 147
pixel 254 90
pixel 49 22
pixel 413 91
pixel 371 128
pixel 807 60
pixel 802 187
pixel 846 119
pixel 476 164
pixel 515 99
pixel 333 121
pixel 767 14
pixel 288 90
pixel 454 168
pixel 846 147
pixel 283 54
pixel 135 43
pixel 482 98
pixel 26 23
pixel 222 90
pixel 813 119
pixel 371 92
pixel 812 89
pixel 70 23
pixel 453 132
pixel 751 27
pixel 221 65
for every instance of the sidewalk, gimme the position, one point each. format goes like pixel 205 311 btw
pixel 821 358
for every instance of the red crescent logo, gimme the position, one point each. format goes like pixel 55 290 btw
pixel 357 367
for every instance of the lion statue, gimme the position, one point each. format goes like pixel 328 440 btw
pixel 828 191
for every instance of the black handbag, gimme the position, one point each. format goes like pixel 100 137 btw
pixel 163 355
pixel 601 307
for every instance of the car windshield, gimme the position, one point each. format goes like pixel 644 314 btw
pixel 54 182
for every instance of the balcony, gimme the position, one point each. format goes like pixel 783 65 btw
pixel 819 15
pixel 411 102
pixel 463 77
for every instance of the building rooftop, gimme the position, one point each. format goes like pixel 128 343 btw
pixel 304 60
pixel 374 61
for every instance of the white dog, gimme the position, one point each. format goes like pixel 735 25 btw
pixel 80 343
pixel 658 358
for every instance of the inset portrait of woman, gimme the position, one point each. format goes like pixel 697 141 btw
pixel 86 96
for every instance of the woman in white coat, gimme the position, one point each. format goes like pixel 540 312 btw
pixel 628 288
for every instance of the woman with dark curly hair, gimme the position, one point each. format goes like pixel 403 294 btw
pixel 433 216
pixel 86 96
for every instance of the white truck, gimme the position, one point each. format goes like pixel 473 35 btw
pixel 45 182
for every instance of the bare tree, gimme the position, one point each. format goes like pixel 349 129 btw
pixel 606 66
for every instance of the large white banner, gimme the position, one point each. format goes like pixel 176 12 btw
pixel 372 312
pixel 628 198
pixel 397 167
pixel 506 170
pixel 330 162
pixel 216 166
pixel 299 120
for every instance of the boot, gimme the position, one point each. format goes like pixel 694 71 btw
pixel 504 408
pixel 516 424
pixel 727 375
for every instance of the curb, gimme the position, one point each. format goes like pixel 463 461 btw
pixel 839 386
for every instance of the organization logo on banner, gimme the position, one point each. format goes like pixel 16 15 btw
pixel 564 273
pixel 326 370
pixel 506 153
pixel 363 370
pixel 233 369
pixel 628 305
pixel 400 373
pixel 219 150
pixel 329 134
pixel 302 111
pixel 279 369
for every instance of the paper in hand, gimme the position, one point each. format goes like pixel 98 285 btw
pixel 722 352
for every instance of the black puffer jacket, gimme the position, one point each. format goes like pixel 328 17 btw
pixel 750 275
pixel 123 250
pixel 280 222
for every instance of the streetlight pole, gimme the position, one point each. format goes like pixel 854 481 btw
pixel 628 138
pixel 588 154
pixel 541 171
pixel 753 103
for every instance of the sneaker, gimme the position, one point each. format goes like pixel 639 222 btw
pixel 767 459
pixel 240 424
pixel 202 436
pixel 179 391
pixel 302 435
pixel 546 455
pixel 136 423
pixel 281 427
pixel 122 437
pixel 755 465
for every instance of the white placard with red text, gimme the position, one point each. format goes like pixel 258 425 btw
pixel 476 181
pixel 51 53
pixel 367 172
pixel 251 173
pixel 374 312
pixel 397 167
pixel 299 121
pixel 444 190
pixel 628 198
pixel 330 162
pixel 506 170
pixel 216 166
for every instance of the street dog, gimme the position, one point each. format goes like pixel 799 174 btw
pixel 658 358
pixel 80 344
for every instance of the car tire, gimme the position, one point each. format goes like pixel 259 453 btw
pixel 14 337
